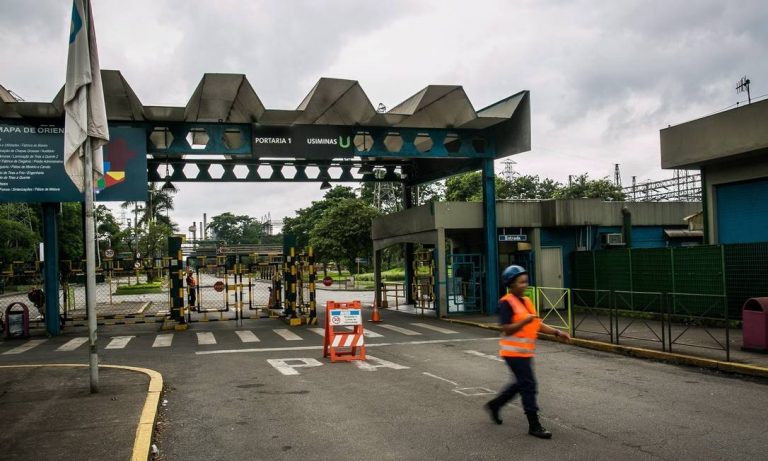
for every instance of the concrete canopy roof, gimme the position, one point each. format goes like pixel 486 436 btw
pixel 230 98
pixel 445 110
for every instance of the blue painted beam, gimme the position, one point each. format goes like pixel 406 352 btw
pixel 489 234
pixel 51 268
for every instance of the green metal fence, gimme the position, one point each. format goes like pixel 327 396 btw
pixel 737 272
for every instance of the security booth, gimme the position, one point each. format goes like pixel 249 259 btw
pixel 542 236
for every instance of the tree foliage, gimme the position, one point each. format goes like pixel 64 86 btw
pixel 17 242
pixel 583 187
pixel 238 229
pixel 343 233
pixel 159 203
pixel 468 188
pixel 306 218
pixel 71 232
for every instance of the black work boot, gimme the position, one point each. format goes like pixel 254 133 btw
pixel 493 408
pixel 534 426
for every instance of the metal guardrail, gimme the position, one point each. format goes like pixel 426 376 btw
pixel 666 319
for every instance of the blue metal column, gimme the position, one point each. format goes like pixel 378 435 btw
pixel 408 250
pixel 489 237
pixel 51 268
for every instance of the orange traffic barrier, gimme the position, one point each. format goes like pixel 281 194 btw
pixel 344 345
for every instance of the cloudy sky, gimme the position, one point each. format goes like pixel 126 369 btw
pixel 604 76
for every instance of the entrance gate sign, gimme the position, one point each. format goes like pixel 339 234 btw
pixel 318 141
pixel 32 165
pixel 513 238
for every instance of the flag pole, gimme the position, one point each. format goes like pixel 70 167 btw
pixel 90 266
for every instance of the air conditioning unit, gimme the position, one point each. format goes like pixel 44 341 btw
pixel 613 239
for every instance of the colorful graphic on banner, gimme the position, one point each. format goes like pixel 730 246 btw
pixel 116 160
pixel 32 165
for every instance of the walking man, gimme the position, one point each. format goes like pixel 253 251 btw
pixel 517 347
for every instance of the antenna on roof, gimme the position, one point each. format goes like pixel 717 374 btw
pixel 743 86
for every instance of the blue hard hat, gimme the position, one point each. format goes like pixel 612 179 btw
pixel 511 272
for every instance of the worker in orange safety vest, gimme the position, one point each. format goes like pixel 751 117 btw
pixel 517 346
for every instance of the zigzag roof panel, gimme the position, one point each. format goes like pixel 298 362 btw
pixel 224 98
pixel 230 98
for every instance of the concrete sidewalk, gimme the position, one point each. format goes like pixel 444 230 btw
pixel 47 412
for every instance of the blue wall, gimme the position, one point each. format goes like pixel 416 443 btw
pixel 568 239
pixel 742 212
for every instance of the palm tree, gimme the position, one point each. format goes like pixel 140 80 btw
pixel 155 209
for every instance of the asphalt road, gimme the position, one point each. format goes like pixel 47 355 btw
pixel 268 395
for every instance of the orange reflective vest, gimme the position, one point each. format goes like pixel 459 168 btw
pixel 522 343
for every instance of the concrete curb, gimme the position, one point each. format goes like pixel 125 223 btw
pixel 669 357
pixel 142 444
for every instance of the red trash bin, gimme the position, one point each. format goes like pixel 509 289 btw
pixel 754 316
pixel 16 321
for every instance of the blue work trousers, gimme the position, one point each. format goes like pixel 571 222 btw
pixel 525 384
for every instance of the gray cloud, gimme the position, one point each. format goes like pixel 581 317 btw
pixel 604 76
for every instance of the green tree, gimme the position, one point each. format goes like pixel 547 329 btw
pixel 306 218
pixel 583 187
pixel 153 243
pixel 465 187
pixel 343 233
pixel 71 232
pixel 159 203
pixel 235 229
pixel 527 187
pixel 107 228
pixel 17 242
pixel 468 187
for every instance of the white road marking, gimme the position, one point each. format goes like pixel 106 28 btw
pixel 441 379
pixel 434 328
pixel 288 335
pixel 205 338
pixel 247 336
pixel 73 344
pixel 473 391
pixel 320 331
pixel 119 342
pixel 368 333
pixel 371 363
pixel 32 343
pixel 309 348
pixel 164 340
pixel 485 356
pixel 289 369
pixel 400 330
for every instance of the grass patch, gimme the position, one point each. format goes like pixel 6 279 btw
pixel 139 289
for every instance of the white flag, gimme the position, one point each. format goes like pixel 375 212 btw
pixel 86 114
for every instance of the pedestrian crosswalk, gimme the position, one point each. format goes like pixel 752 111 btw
pixel 210 338
pixel 163 340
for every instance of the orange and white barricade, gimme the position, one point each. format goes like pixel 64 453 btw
pixel 344 344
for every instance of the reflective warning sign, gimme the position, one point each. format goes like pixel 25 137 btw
pixel 346 317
